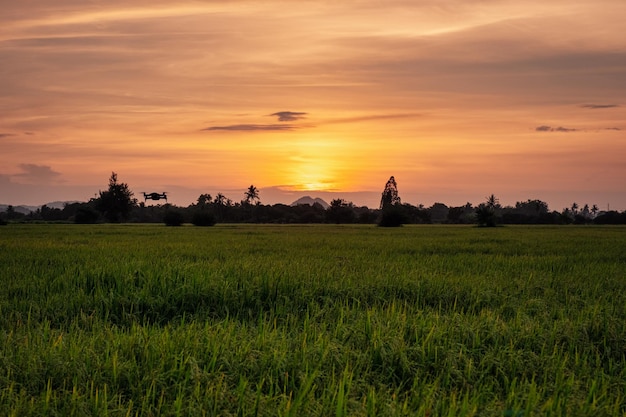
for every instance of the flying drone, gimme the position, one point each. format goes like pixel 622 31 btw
pixel 154 196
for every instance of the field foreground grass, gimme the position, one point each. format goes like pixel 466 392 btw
pixel 125 320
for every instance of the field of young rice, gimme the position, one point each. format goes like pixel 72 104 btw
pixel 324 320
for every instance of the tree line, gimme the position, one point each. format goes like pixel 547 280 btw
pixel 117 204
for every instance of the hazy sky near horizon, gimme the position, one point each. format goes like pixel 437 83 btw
pixel 458 99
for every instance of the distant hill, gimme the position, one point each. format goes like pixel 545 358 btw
pixel 27 209
pixel 310 201
pixel 19 209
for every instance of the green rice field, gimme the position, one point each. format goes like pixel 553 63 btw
pixel 322 320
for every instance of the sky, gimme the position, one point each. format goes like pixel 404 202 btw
pixel 458 99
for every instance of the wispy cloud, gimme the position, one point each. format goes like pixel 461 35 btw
pixel 372 117
pixel 33 173
pixel 283 116
pixel 252 127
pixel 289 116
pixel 6 135
pixel 599 106
pixel 555 129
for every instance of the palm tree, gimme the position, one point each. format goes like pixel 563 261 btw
pixel 493 202
pixel 486 212
pixel 220 199
pixel 252 194
pixel 204 199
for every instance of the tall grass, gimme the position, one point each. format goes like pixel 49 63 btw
pixel 312 320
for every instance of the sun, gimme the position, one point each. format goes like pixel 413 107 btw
pixel 323 161
pixel 313 175
pixel 313 165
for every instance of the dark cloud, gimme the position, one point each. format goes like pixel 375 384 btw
pixel 613 128
pixel 554 129
pixel 289 116
pixel 283 116
pixel 33 173
pixel 252 127
pixel 293 116
pixel 6 135
pixel 599 106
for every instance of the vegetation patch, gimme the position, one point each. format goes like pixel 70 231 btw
pixel 123 319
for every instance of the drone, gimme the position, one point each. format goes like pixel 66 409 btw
pixel 154 196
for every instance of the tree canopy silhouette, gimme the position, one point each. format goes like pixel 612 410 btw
pixel 340 211
pixel 116 203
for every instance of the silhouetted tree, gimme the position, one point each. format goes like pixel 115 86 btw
pixel 438 213
pixel 463 214
pixel 586 212
pixel 485 216
pixel 486 212
pixel 365 215
pixel 252 194
pixel 390 194
pixel 116 203
pixel 340 211
pixel 493 202
pixel 567 216
pixel 204 199
pixel 50 214
pixel 220 199
pixel 527 212
pixel 391 214
pixel 532 207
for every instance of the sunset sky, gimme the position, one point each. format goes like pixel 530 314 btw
pixel 458 99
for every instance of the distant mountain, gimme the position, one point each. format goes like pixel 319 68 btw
pixel 310 201
pixel 27 209
pixel 19 209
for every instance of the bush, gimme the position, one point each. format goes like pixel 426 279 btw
pixel 86 215
pixel 203 218
pixel 173 218
pixel 485 216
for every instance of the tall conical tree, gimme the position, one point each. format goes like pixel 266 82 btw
pixel 391 208
pixel 390 194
